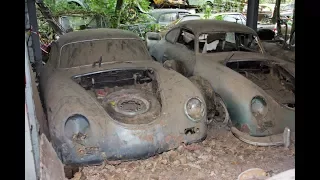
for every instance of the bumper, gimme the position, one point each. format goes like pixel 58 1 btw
pixel 282 139
pixel 127 145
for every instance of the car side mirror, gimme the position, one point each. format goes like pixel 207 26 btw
pixel 153 36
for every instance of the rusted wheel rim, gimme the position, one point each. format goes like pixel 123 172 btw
pixel 131 105
pixel 221 113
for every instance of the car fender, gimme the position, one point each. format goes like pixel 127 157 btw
pixel 157 50
pixel 237 92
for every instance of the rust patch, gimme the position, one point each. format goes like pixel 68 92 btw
pixel 245 128
pixel 148 138
pixel 168 139
pixel 173 141
pixel 82 151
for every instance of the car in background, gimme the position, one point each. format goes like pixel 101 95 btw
pixel 265 25
pixel 241 19
pixel 264 29
pixel 187 17
pixel 263 8
pixel 227 16
pixel 165 16
pixel 106 99
pixel 78 22
pixel 229 59
pixel 286 8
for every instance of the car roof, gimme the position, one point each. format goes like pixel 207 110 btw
pixel 206 25
pixel 167 10
pixel 89 34
pixel 157 12
pixel 192 15
pixel 218 14
pixel 225 13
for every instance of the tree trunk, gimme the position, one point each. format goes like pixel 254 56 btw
pixel 276 16
pixel 293 20
pixel 49 18
pixel 276 11
pixel 119 5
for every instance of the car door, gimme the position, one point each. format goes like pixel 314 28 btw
pixel 181 47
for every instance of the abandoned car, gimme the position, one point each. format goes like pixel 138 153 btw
pixel 258 90
pixel 106 99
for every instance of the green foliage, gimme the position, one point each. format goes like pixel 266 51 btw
pixel 219 17
pixel 207 12
pixel 63 8
pixel 223 6
pixel 128 14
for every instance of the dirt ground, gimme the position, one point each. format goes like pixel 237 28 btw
pixel 220 156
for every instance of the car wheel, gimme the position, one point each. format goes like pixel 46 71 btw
pixel 208 94
pixel 221 115
pixel 132 106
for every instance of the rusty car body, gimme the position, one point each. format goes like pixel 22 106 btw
pixel 107 100
pixel 257 89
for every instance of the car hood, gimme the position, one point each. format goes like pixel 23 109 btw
pixel 248 56
pixel 174 88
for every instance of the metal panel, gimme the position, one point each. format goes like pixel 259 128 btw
pixel 30 169
pixel 35 37
pixel 51 166
pixel 33 123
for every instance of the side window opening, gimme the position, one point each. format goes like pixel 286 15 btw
pixel 212 42
pixel 186 38
pixel 226 42
pixel 168 17
pixel 181 14
pixel 171 35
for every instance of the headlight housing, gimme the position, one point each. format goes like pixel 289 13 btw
pixel 77 127
pixel 259 106
pixel 195 109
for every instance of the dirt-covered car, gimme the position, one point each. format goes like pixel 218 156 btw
pixel 106 98
pixel 258 90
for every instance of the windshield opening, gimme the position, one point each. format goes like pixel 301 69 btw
pixel 227 41
pixel 104 50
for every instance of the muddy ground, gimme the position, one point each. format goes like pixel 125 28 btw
pixel 220 156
